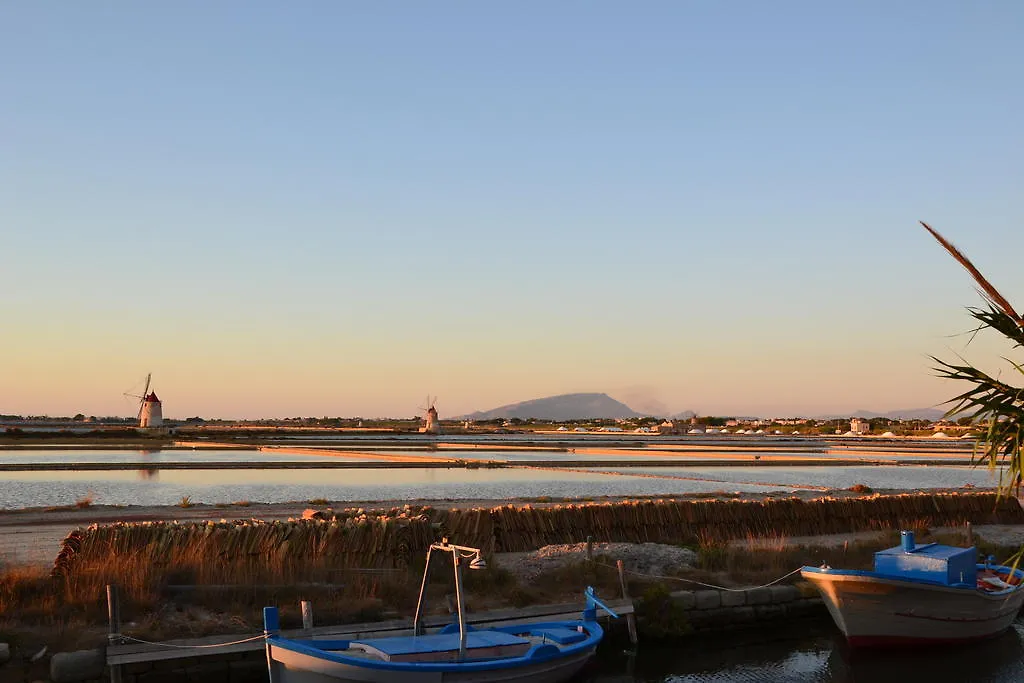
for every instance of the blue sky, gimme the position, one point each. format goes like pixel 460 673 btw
pixel 333 208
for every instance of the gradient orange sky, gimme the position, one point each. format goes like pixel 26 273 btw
pixel 688 206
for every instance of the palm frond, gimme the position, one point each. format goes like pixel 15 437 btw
pixel 1001 322
pixel 998 405
pixel 988 291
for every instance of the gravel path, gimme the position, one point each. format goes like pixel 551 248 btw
pixel 647 558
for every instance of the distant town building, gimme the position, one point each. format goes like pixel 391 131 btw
pixel 667 427
pixel 859 425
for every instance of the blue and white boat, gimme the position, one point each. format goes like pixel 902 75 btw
pixel 539 652
pixel 920 594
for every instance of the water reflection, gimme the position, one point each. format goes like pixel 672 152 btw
pixel 996 660
pixel 151 456
pixel 907 476
pixel 149 482
pixel 39 488
pixel 807 652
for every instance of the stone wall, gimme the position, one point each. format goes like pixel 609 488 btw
pixel 717 610
pixel 244 667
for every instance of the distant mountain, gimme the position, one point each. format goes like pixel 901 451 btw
pixel 559 408
pixel 932 414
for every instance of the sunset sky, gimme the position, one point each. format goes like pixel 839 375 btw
pixel 334 208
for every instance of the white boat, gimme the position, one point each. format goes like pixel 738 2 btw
pixel 538 652
pixel 920 594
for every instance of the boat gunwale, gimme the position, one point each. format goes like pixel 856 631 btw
pixel 548 651
pixel 849 575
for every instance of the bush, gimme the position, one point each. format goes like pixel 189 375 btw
pixel 660 616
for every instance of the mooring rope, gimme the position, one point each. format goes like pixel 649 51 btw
pixel 701 583
pixel 186 647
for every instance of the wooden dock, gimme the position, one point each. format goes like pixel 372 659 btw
pixel 119 655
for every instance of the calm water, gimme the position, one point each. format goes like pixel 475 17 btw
pixel 213 455
pixel 809 651
pixel 166 487
pixel 100 455
pixel 514 455
pixel 881 477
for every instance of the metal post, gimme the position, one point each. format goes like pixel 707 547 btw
pixel 460 603
pixel 630 618
pixel 417 627
pixel 114 635
pixel 307 614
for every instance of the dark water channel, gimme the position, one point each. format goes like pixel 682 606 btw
pixel 808 651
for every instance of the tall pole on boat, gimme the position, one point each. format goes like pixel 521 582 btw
pixel 475 562
pixel 460 604
pixel 417 625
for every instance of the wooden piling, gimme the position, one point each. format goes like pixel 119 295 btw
pixel 114 634
pixel 630 618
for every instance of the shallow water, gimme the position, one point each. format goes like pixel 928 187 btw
pixel 113 455
pixel 154 486
pixel 168 487
pixel 880 477
pixel 809 651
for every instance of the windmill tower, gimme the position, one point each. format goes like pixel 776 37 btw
pixel 431 423
pixel 150 408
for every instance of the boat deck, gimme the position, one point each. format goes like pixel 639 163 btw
pixel 444 647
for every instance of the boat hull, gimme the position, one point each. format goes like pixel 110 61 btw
pixel 874 611
pixel 294 667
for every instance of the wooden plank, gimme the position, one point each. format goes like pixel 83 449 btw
pixel 199 647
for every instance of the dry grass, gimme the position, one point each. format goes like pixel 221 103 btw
pixel 241 566
pixel 71 605
pixel 218 576
pixel 26 591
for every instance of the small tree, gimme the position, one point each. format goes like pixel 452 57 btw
pixel 994 405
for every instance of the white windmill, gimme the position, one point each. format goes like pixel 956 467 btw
pixel 431 423
pixel 150 408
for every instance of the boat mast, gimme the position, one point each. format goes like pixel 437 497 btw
pixel 459 553
pixel 417 627
pixel 460 605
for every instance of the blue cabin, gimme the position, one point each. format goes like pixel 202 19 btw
pixel 929 562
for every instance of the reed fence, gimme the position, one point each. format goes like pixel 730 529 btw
pixel 394 538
